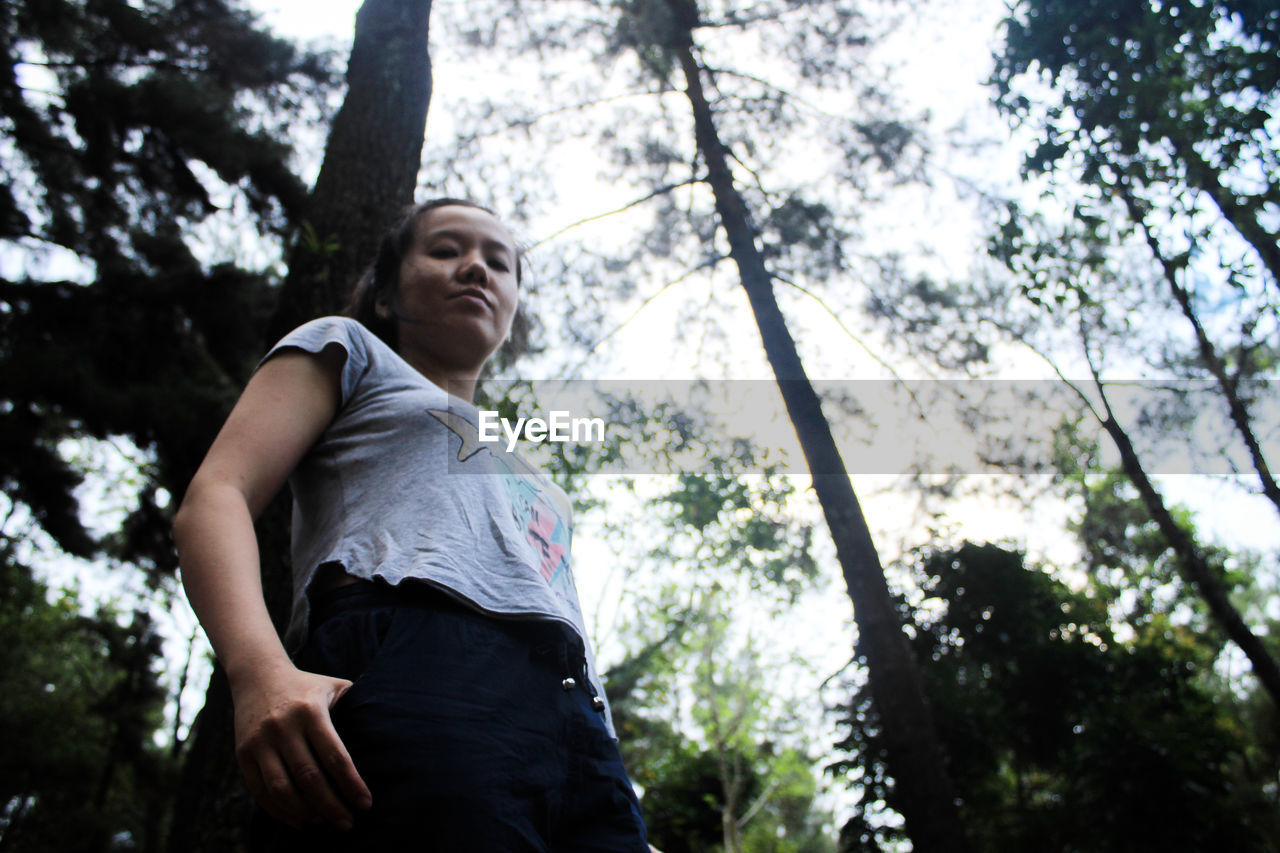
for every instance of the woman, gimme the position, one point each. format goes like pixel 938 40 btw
pixel 442 695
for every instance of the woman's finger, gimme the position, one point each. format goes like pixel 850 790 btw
pixel 275 790
pixel 311 780
pixel 336 761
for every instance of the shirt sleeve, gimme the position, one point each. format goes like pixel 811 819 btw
pixel 343 332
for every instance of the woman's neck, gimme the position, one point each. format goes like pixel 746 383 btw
pixel 458 381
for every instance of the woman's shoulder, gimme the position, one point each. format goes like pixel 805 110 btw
pixel 329 325
pixel 362 352
pixel 367 357
pixel 346 332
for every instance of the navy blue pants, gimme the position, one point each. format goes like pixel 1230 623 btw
pixel 463 729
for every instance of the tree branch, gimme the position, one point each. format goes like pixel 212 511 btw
pixel 663 190
pixel 759 803
pixel 1193 566
pixel 878 360
pixel 1208 353
pixel 787 94
pixel 710 262
pixel 530 120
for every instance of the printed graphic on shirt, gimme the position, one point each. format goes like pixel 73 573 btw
pixel 548 536
pixel 463 429
pixel 540 512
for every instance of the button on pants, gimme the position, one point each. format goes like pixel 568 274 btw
pixel 473 733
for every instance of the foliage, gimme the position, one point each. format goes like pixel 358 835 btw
pixel 131 130
pixel 682 795
pixel 1155 122
pixel 79 703
pixel 708 738
pixel 1130 566
pixel 1175 93
pixel 1049 713
pixel 743 525
pixel 151 181
pixel 714 750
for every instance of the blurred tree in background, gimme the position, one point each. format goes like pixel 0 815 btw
pixel 710 737
pixel 1062 731
pixel 79 705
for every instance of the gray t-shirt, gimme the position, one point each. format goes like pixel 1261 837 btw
pixel 399 486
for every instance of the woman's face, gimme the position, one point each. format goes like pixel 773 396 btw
pixel 457 289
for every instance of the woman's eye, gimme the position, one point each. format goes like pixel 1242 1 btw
pixel 499 265
pixel 442 252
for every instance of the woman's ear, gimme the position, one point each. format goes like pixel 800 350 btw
pixel 381 307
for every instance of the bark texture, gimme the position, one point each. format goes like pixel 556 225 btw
pixel 371 161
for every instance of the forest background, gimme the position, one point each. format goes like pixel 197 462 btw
pixel 1045 333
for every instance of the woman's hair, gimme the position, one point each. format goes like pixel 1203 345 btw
pixel 382 277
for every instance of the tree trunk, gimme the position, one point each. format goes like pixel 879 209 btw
pixel 924 794
pixel 1194 567
pixel 211 812
pixel 371 161
pixel 370 170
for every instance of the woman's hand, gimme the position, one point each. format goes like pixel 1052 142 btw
pixel 292 758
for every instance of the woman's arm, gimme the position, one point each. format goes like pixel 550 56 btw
pixel 284 736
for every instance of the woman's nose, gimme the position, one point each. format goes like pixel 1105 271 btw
pixel 473 268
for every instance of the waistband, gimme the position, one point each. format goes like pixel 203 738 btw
pixel 545 638
pixel 420 594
